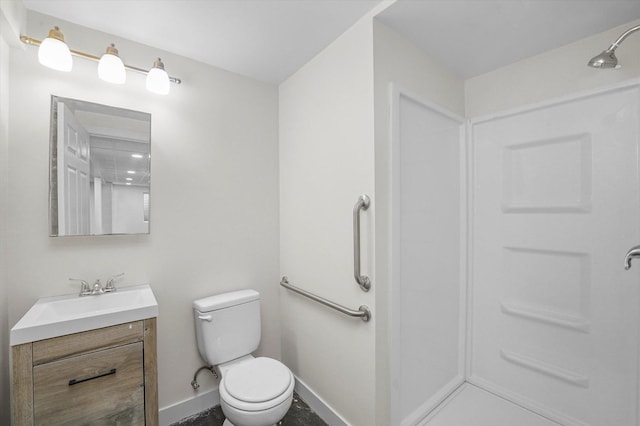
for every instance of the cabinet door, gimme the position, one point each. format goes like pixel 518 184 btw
pixel 100 388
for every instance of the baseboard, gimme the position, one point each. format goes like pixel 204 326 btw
pixel 206 400
pixel 317 404
pixel 189 407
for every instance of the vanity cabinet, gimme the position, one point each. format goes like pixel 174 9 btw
pixel 106 376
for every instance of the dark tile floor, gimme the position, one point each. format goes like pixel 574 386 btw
pixel 298 415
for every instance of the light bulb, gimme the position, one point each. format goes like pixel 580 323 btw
pixel 158 79
pixel 110 68
pixel 54 53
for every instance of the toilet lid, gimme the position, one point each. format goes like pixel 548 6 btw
pixel 260 380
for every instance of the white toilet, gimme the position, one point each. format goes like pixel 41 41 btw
pixel 253 391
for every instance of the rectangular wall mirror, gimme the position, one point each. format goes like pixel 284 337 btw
pixel 99 169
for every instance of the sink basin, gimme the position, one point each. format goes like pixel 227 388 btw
pixel 56 316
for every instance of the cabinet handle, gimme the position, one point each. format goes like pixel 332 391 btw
pixel 75 382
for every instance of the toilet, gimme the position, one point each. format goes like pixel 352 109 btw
pixel 253 391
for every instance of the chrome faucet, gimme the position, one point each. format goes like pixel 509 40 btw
pixel 97 289
pixel 632 253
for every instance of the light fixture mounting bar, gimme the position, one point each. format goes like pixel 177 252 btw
pixel 36 42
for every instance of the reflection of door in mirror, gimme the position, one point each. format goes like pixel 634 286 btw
pixel 119 174
pixel 73 174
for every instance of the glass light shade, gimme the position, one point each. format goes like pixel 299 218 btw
pixel 55 54
pixel 158 79
pixel 111 69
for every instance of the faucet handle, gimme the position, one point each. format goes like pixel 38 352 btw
pixel 110 287
pixel 84 287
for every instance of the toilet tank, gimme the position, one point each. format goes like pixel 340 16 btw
pixel 227 325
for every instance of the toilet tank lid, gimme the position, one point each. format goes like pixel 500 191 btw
pixel 224 300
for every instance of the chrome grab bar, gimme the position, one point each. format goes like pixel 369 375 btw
pixel 631 254
pixel 362 312
pixel 363 204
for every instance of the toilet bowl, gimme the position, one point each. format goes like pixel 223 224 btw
pixel 256 392
pixel 253 391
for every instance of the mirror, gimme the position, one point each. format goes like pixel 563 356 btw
pixel 99 169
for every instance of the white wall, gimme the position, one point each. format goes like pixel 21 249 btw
pixel 328 156
pixel 397 60
pixel 555 73
pixel 128 209
pixel 4 145
pixel 215 162
pixel 12 21
pixel 326 162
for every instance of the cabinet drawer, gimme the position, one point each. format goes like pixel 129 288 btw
pixel 72 344
pixel 98 388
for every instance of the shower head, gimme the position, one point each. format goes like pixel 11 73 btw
pixel 607 59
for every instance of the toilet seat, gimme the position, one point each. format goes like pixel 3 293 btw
pixel 257 385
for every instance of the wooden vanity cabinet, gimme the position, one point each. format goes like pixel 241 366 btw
pixel 106 376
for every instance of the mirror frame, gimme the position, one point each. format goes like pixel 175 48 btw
pixel 53 163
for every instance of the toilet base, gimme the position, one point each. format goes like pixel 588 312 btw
pixel 228 423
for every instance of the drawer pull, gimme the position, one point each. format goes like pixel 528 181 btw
pixel 75 382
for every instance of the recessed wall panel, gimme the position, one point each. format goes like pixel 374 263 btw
pixel 547 285
pixel 550 175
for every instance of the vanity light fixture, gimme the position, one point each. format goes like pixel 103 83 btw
pixel 54 53
pixel 158 79
pixel 110 68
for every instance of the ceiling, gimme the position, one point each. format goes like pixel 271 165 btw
pixel 270 39
pixel 473 37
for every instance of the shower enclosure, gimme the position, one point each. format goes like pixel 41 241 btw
pixel 509 298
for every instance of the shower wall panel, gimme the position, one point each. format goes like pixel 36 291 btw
pixel 554 316
pixel 426 283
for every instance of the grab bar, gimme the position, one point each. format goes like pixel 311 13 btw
pixel 362 312
pixel 631 254
pixel 362 204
